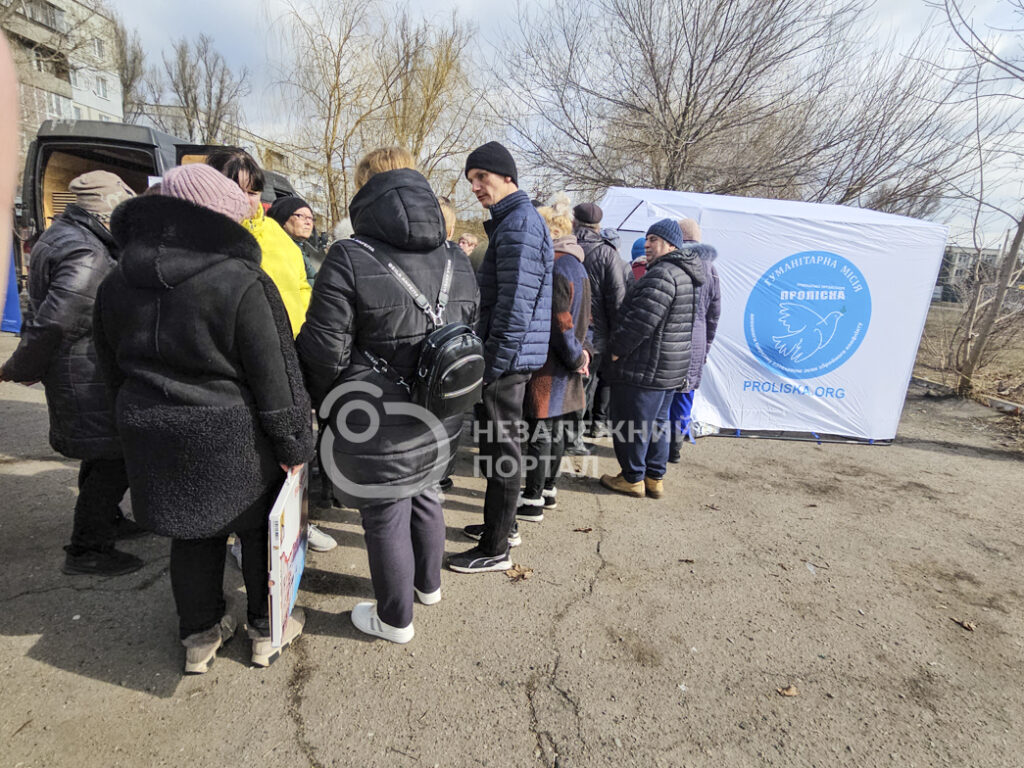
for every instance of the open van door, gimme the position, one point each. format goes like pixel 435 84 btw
pixel 64 149
pixel 275 184
pixel 186 154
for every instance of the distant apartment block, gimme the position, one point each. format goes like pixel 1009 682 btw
pixel 66 59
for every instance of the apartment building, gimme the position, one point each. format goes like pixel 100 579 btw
pixel 66 59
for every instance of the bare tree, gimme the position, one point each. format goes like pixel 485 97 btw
pixel 361 77
pixel 131 68
pixel 203 91
pixel 326 85
pixel 990 318
pixel 428 102
pixel 740 97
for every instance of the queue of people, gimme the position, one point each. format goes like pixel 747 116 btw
pixel 185 338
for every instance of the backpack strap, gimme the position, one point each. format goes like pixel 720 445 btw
pixel 436 316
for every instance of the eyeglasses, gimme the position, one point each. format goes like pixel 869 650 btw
pixel 303 216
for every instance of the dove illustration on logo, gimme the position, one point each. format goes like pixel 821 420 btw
pixel 807 332
pixel 807 314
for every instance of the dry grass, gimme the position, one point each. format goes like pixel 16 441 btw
pixel 1002 376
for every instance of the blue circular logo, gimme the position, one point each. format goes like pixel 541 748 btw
pixel 807 314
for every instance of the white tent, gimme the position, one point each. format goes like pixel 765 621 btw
pixel 823 307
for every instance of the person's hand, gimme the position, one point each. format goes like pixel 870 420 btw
pixel 290 470
pixel 615 358
pixel 585 368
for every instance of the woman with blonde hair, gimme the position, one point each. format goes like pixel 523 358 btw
pixel 364 331
pixel 554 394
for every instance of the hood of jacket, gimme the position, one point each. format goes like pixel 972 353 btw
pixel 165 241
pixel 568 244
pixel 399 208
pixel 611 237
pixel 587 236
pixel 704 252
pixel 688 260
pixel 86 220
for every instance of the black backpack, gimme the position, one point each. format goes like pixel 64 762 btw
pixel 449 374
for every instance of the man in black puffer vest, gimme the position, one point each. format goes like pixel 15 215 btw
pixel 650 352
pixel 68 263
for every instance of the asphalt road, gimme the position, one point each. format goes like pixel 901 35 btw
pixel 650 633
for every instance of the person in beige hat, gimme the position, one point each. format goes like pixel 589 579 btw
pixel 67 265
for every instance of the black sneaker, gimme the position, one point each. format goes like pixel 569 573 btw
pixel 476 532
pixel 578 450
pixel 531 513
pixel 107 562
pixel 446 484
pixel 478 561
pixel 674 457
pixel 127 529
pixel 550 499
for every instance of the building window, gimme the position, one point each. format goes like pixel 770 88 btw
pixel 73 75
pixel 100 47
pixel 78 113
pixel 57 107
pixel 46 14
pixel 101 87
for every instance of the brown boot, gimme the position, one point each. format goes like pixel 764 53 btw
pixel 655 487
pixel 619 484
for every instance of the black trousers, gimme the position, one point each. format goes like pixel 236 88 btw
pixel 101 486
pixel 548 438
pixel 597 392
pixel 197 579
pixel 501 457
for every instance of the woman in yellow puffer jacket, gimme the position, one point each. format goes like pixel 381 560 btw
pixel 282 259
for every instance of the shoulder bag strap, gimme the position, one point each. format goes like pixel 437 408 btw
pixel 436 316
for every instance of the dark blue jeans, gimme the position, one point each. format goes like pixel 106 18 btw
pixel 640 430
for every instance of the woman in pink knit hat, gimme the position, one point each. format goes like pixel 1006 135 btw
pixel 197 346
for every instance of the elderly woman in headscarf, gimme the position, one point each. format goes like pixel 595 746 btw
pixel 196 344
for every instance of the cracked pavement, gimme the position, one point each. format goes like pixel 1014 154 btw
pixel 658 638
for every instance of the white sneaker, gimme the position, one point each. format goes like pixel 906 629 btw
pixel 320 541
pixel 365 619
pixel 428 598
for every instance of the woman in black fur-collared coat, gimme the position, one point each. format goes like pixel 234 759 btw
pixel 196 344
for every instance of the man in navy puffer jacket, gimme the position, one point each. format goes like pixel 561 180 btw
pixel 515 325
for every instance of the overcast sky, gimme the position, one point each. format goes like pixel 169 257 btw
pixel 241 29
